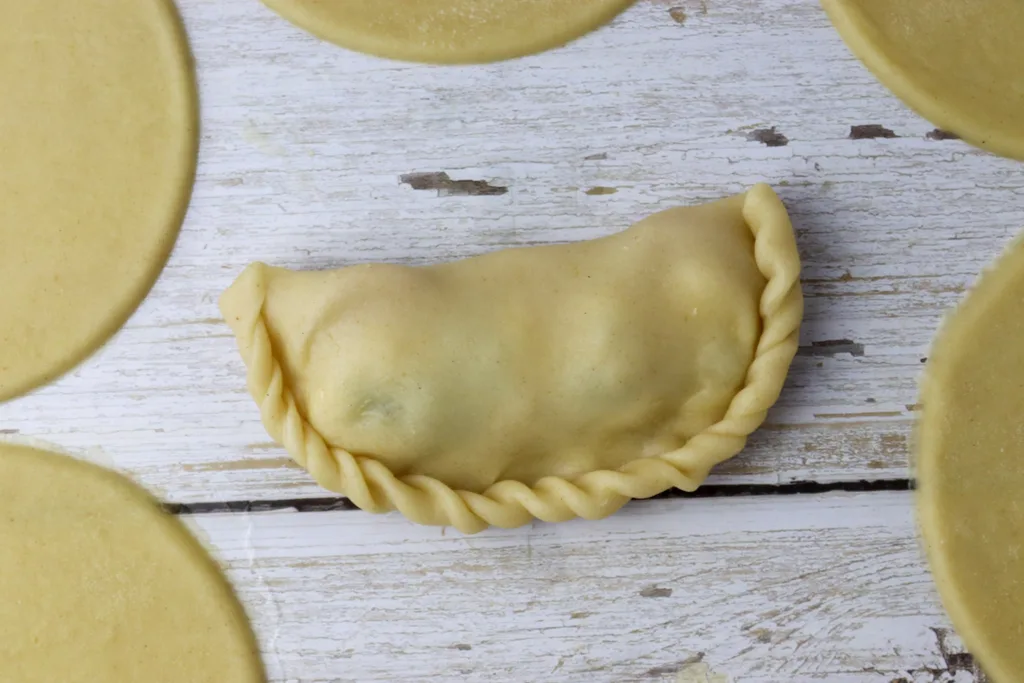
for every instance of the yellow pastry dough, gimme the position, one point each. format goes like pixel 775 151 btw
pixel 98 136
pixel 449 31
pixel 97 584
pixel 970 467
pixel 547 382
pixel 959 63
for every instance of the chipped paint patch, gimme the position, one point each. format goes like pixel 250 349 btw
pixel 674 667
pixel 832 347
pixel 656 592
pixel 939 134
pixel 870 131
pixel 769 137
pixel 600 190
pixel 956 657
pixel 678 14
pixel 446 187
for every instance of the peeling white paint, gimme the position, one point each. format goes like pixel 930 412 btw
pixel 304 144
pixel 795 589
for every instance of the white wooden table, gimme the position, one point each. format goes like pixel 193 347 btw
pixel 798 562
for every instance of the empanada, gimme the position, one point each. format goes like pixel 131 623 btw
pixel 549 382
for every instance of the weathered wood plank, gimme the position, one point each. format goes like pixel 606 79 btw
pixel 758 590
pixel 306 162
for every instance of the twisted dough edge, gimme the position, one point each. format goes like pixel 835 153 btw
pixel 373 487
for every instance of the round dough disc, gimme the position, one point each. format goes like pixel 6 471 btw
pixel 97 583
pixel 958 63
pixel 970 467
pixel 98 133
pixel 449 31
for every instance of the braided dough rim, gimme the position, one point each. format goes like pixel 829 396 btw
pixel 372 486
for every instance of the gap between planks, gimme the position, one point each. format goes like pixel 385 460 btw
pixel 342 504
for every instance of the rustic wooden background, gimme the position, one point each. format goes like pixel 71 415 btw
pixel 798 563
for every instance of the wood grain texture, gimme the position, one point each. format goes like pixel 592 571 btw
pixel 753 590
pixel 311 157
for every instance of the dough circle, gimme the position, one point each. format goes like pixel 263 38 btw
pixel 958 63
pixel 970 467
pixel 99 135
pixel 97 583
pixel 449 31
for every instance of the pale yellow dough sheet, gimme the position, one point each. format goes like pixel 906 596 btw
pixel 98 135
pixel 547 382
pixel 958 63
pixel 970 467
pixel 449 31
pixel 99 585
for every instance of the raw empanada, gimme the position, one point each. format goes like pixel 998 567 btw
pixel 547 382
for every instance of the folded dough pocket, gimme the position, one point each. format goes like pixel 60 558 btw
pixel 549 382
